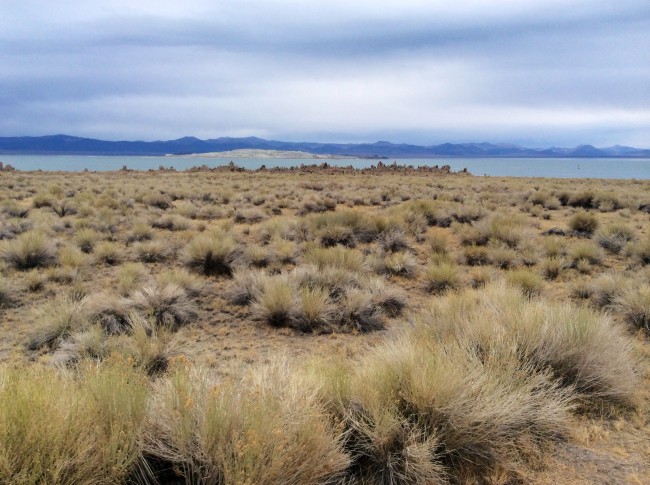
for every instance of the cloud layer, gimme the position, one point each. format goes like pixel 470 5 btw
pixel 522 71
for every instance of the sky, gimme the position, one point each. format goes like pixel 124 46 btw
pixel 528 72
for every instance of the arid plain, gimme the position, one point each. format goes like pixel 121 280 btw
pixel 323 326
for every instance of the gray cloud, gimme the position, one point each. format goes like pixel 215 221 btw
pixel 558 72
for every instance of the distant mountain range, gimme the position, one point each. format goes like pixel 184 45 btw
pixel 72 145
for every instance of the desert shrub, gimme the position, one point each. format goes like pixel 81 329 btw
pixel 259 256
pixel 140 232
pixel 435 213
pixel 129 277
pixel 502 256
pixel 531 284
pixel 153 251
pixel 633 303
pixel 438 278
pixel 250 216
pixel 358 311
pixel 639 251
pixel 476 255
pixel 285 252
pixel 583 348
pixel 313 311
pixel 246 284
pixel 56 321
pixel 158 200
pixel 88 432
pixel 165 305
pixel 42 199
pixel 86 239
pixel 401 264
pixel 394 240
pixel 7 296
pixel 605 289
pixel 583 222
pixel 63 208
pixel 271 430
pixel 334 234
pixel 276 303
pixel 392 300
pixel 338 257
pixel 552 266
pixel 191 283
pixel 415 410
pixel 35 280
pixel 30 250
pixel 110 312
pixel 108 252
pixel 614 238
pixel 172 223
pixel 479 277
pixel 316 204
pixel 607 202
pixel 11 229
pixel 585 199
pixel 468 213
pixel 585 252
pixel 212 254
pixel 12 209
pixel 438 242
pixel 554 246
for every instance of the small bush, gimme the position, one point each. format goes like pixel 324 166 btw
pixel 476 255
pixel 529 283
pixel 108 252
pixel 552 266
pixel 153 251
pixel 583 222
pixel 165 305
pixel 56 321
pixel 245 286
pixel 639 251
pixel 585 252
pixel 314 310
pixel 276 304
pixel 160 201
pixel 338 257
pixel 401 264
pixel 212 254
pixel 29 250
pixel 86 239
pixel 634 305
pixel 441 277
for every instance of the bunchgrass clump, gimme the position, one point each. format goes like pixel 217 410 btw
pixel 531 284
pixel 30 250
pixel 583 222
pixel 439 278
pixel 212 255
pixel 633 303
pixel 61 428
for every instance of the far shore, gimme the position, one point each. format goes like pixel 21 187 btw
pixel 249 153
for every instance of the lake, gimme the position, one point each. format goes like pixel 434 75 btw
pixel 609 168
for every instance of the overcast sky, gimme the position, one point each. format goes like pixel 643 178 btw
pixel 532 72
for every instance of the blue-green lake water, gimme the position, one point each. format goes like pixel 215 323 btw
pixel 609 168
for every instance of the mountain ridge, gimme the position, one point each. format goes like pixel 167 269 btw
pixel 74 145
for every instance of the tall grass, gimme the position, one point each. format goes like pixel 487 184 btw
pixel 63 428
